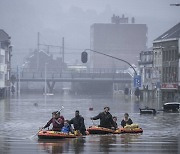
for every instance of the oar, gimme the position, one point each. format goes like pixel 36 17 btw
pixel 62 107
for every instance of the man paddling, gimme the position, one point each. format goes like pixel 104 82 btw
pixel 56 120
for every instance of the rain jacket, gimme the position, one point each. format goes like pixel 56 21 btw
pixel 106 120
pixel 124 123
pixel 66 129
pixel 57 123
pixel 78 123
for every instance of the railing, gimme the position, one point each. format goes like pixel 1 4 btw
pixel 70 76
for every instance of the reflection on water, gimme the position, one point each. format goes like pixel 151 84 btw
pixel 20 119
pixel 106 143
pixel 128 138
pixel 77 145
pixel 66 145
pixel 4 110
pixel 53 146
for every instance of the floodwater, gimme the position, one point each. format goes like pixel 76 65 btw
pixel 21 117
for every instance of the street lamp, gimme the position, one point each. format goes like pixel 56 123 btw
pixel 84 58
pixel 45 78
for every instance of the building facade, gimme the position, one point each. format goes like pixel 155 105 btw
pixel 166 48
pixel 120 39
pixel 44 58
pixel 146 72
pixel 5 63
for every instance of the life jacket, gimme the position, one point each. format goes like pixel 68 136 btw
pixel 65 129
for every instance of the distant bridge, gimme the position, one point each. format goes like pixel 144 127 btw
pixel 51 77
pixel 72 77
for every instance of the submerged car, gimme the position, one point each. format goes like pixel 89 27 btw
pixel 171 107
pixel 147 110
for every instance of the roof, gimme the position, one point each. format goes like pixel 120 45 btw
pixel 173 33
pixel 3 35
pixel 172 103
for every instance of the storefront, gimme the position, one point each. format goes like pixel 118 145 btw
pixel 169 92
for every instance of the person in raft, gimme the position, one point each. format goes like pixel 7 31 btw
pixel 115 123
pixel 57 121
pixel 126 120
pixel 67 127
pixel 78 123
pixel 106 119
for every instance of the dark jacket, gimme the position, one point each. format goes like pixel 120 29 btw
pixel 115 125
pixel 78 123
pixel 106 120
pixel 123 122
pixel 57 123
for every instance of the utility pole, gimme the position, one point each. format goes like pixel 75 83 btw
pixel 38 44
pixel 63 51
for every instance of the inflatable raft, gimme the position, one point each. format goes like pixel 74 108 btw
pixel 99 130
pixel 126 130
pixel 54 135
pixel 133 128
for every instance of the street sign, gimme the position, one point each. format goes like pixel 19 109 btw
pixel 137 81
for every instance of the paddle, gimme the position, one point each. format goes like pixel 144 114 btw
pixel 62 107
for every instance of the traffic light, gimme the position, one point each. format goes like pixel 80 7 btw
pixel 84 57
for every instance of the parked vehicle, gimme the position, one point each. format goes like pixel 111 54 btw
pixel 171 107
pixel 147 110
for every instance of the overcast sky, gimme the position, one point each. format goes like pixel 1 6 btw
pixel 71 19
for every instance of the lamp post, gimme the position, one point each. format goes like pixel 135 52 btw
pixel 84 58
pixel 45 79
pixel 18 81
pixel 9 69
pixel 137 78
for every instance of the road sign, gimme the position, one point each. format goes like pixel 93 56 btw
pixel 137 81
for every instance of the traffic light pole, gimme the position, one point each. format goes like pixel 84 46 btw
pixel 113 58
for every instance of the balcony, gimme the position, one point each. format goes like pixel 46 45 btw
pixel 3 68
pixel 145 62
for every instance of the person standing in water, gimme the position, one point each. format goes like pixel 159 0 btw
pixel 78 123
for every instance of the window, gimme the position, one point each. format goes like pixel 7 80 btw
pixel 1 59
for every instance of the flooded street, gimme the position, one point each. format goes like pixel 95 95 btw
pixel 20 119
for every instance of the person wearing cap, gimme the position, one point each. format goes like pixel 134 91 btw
pixel 126 120
pixel 106 119
pixel 57 121
pixel 78 123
